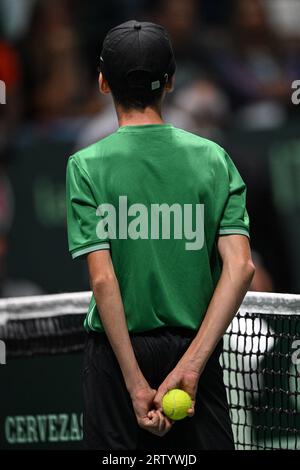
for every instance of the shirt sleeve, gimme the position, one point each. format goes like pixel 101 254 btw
pixel 234 219
pixel 82 219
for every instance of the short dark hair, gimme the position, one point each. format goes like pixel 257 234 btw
pixel 133 96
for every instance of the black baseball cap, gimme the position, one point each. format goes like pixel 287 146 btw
pixel 137 47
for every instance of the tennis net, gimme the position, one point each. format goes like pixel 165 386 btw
pixel 261 357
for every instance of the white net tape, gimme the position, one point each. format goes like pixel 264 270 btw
pixel 77 303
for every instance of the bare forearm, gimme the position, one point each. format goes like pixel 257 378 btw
pixel 228 296
pixel 110 307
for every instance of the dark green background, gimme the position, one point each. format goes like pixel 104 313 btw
pixel 40 385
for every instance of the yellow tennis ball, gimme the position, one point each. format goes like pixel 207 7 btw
pixel 176 403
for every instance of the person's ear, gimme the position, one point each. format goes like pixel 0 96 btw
pixel 169 87
pixel 103 85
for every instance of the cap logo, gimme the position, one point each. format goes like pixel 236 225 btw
pixel 155 85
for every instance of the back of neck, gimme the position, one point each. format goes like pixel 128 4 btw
pixel 137 117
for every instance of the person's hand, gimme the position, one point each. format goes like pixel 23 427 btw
pixel 158 423
pixel 180 377
pixel 147 417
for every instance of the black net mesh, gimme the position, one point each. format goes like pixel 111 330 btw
pixel 261 361
pixel 49 335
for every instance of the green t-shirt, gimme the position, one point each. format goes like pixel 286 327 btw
pixel 157 197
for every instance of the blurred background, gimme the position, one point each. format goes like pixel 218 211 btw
pixel 236 63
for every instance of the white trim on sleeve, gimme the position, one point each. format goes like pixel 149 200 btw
pixel 89 249
pixel 234 231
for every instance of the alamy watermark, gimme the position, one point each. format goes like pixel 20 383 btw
pixel 296 353
pixel 2 353
pixel 296 93
pixel 159 221
pixel 2 92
